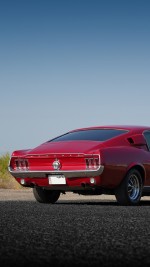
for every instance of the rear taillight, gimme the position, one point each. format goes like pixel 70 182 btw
pixel 21 164
pixel 92 163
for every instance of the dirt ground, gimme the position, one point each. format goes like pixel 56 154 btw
pixel 27 195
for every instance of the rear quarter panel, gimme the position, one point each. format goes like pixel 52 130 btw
pixel 118 160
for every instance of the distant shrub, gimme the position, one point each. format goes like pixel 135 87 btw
pixel 4 160
pixel 7 181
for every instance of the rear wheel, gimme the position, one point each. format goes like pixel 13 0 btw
pixel 45 196
pixel 129 192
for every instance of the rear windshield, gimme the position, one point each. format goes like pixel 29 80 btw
pixel 92 135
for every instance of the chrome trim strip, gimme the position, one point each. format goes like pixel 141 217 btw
pixel 55 155
pixel 67 174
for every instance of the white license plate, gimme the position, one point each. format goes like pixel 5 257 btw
pixel 57 179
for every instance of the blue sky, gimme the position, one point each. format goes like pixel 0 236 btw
pixel 66 64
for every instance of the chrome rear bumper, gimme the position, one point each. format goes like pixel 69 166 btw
pixel 67 174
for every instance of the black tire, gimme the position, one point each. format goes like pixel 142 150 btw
pixel 45 196
pixel 129 192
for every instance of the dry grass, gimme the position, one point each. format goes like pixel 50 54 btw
pixel 7 181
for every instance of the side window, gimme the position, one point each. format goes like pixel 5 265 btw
pixel 147 137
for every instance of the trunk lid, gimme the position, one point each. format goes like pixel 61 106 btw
pixel 84 147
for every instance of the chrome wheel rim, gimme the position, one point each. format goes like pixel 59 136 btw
pixel 133 187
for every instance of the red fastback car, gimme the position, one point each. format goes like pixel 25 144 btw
pixel 90 161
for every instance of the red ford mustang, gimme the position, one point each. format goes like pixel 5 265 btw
pixel 90 161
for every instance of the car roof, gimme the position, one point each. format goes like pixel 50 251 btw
pixel 131 128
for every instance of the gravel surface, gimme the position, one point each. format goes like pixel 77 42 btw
pixel 76 231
